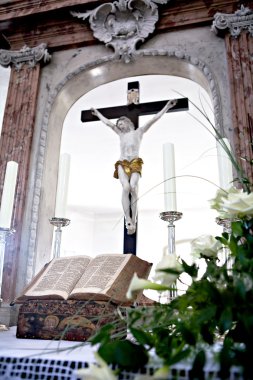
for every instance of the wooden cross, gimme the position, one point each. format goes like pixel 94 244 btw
pixel 133 110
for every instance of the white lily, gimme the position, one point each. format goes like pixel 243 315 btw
pixel 138 284
pixel 169 261
pixel 101 371
pixel 162 373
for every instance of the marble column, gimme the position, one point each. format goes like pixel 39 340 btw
pixel 16 141
pixel 237 29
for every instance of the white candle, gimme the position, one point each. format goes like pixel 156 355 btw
pixel 170 201
pixel 8 194
pixel 224 165
pixel 62 186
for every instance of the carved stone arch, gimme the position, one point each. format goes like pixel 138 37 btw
pixel 61 99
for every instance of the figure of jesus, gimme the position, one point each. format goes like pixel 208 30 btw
pixel 129 166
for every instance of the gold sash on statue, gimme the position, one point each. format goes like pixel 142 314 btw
pixel 133 166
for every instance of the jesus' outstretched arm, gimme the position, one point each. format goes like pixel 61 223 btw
pixel 104 119
pixel 168 105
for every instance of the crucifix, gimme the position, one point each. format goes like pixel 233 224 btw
pixel 128 167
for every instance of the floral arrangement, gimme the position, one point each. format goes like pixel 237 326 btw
pixel 214 315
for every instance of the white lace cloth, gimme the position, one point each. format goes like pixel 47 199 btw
pixel 41 359
pixel 58 360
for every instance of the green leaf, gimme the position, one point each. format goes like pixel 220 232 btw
pixel 245 180
pixel 142 337
pixel 179 356
pixel 187 334
pixel 226 358
pixel 207 333
pixel 170 271
pixel 226 320
pixel 197 371
pixel 233 245
pixel 225 235
pixel 103 335
pixel 124 354
pixel 192 270
pixel 222 240
pixel 237 228
pixel 240 290
pixel 206 314
pixel 247 320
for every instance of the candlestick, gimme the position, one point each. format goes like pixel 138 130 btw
pixel 8 194
pixel 58 223
pixel 224 164
pixel 62 186
pixel 171 217
pixel 170 201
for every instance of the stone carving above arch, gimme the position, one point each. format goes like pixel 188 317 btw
pixel 122 24
pixel 235 23
pixel 28 55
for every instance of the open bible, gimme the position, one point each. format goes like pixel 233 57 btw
pixel 103 278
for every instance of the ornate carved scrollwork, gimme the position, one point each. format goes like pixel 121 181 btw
pixel 235 23
pixel 122 24
pixel 31 56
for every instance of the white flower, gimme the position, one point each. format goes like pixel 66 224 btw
pixel 235 203
pixel 162 373
pixel 239 204
pixel 169 261
pixel 217 201
pixel 206 245
pixel 138 284
pixel 97 372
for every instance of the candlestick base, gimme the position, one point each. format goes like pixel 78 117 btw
pixel 59 222
pixel 226 223
pixel 171 216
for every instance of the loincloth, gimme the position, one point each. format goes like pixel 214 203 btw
pixel 129 167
